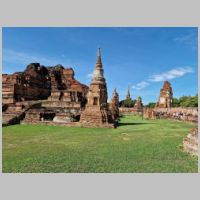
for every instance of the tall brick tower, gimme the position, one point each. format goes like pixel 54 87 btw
pixel 166 95
pixel 97 112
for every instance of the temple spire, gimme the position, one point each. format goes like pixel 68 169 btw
pixel 128 95
pixel 99 64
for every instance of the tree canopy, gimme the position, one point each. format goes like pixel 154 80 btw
pixel 185 101
pixel 128 103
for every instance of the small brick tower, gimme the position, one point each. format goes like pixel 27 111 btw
pixel 114 105
pixel 166 95
pixel 138 104
pixel 97 113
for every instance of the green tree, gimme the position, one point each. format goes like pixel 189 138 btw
pixel 151 105
pixel 186 101
pixel 175 102
pixel 128 103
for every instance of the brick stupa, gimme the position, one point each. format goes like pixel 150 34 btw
pixel 166 95
pixel 97 113
pixel 114 105
pixel 138 104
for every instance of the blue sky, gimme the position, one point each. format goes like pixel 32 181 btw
pixel 141 58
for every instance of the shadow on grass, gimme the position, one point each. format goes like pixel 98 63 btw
pixel 131 124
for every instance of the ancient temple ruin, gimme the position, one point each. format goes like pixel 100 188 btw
pixel 97 112
pixel 166 95
pixel 42 94
pixel 138 104
pixel 190 143
pixel 114 105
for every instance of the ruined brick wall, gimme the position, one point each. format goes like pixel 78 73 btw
pixel 38 82
pixel 8 88
pixel 32 84
pixel 183 114
pixel 190 143
pixel 56 86
pixel 136 111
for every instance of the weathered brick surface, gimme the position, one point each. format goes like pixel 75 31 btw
pixel 56 85
pixel 183 114
pixel 166 95
pixel 190 143
pixel 114 105
pixel 138 104
pixel 136 111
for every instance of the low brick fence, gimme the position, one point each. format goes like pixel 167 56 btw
pixel 135 111
pixel 183 114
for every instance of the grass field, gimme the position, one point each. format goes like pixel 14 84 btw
pixel 135 146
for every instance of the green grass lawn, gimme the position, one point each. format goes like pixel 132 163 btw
pixel 135 146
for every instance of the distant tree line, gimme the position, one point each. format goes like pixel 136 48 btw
pixel 184 101
pixel 150 105
pixel 128 103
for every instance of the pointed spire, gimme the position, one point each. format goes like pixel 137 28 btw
pixel 99 52
pixel 99 64
pixel 128 95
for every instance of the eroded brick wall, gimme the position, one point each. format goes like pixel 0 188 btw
pixel 183 114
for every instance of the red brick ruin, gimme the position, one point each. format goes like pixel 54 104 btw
pixel 97 112
pixel 190 143
pixel 166 95
pixel 114 105
pixel 51 95
pixel 42 93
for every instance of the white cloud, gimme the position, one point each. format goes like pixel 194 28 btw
pixel 140 85
pixel 13 56
pixel 171 74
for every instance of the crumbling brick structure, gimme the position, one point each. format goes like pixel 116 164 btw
pixel 138 104
pixel 97 112
pixel 182 114
pixel 55 85
pixel 32 84
pixel 114 105
pixel 166 95
pixel 190 143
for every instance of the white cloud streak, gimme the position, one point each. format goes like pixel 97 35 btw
pixel 13 56
pixel 140 85
pixel 171 74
